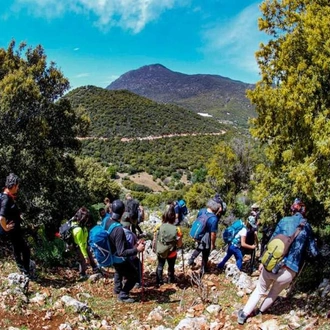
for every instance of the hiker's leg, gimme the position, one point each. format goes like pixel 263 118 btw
pixel 21 252
pixel 159 270
pixel 91 258
pixel 82 262
pixel 283 280
pixel 193 256
pixel 265 280
pixel 117 281
pixel 171 263
pixel 139 229
pixel 128 270
pixel 133 227
pixel 205 259
pixel 238 256
pixel 227 257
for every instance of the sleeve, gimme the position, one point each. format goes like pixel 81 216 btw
pixel 213 220
pixel 78 237
pixel 311 243
pixel 4 205
pixel 242 232
pixel 121 244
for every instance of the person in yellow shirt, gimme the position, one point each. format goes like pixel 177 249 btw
pixel 80 239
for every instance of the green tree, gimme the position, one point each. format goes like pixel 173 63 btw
pixel 94 182
pixel 231 167
pixel 37 133
pixel 292 101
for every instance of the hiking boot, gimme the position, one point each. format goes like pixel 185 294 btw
pixel 191 263
pixel 241 317
pixel 126 300
pixel 82 277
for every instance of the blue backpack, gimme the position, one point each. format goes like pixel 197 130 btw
pixel 198 228
pixel 100 244
pixel 182 206
pixel 230 232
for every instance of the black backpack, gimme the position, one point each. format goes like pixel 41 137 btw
pixel 132 207
pixel 66 229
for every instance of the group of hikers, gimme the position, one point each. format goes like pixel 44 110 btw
pixel 121 220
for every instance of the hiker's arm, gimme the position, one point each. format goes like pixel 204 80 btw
pixel 120 242
pixel 246 246
pixel 213 239
pixel 6 226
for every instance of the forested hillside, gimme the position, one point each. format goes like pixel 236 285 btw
pixel 225 99
pixel 124 114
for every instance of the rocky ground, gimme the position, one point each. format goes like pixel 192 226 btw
pixel 57 300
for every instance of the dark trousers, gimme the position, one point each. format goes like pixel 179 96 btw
pixel 128 271
pixel 21 251
pixel 136 227
pixel 205 256
pixel 160 268
pixel 82 261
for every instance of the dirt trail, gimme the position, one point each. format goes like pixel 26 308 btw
pixel 151 137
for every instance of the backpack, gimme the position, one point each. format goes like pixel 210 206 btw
pixel 66 229
pixel 198 228
pixel 100 245
pixel 182 206
pixel 230 232
pixel 132 207
pixel 166 239
pixel 277 249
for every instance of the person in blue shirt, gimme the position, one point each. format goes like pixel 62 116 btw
pixel 292 263
pixel 215 207
pixel 105 216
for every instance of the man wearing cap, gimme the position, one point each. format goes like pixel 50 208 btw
pixel 215 207
pixel 275 283
pixel 119 245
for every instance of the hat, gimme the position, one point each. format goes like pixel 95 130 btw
pixel 217 198
pixel 118 208
pixel 252 221
pixel 255 206
pixel 125 219
pixel 298 206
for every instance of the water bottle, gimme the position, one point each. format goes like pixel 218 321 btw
pixel 278 266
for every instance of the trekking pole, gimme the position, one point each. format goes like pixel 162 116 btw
pixel 182 254
pixel 294 282
pixel 142 280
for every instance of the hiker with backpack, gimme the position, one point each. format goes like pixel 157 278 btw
pixel 235 237
pixel 10 220
pixel 294 234
pixel 104 216
pixel 132 206
pixel 181 210
pixel 251 239
pixel 168 238
pixel 204 231
pixel 132 241
pixel 80 239
pixel 124 268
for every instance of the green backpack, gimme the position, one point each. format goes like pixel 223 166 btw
pixel 166 240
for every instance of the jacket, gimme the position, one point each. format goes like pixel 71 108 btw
pixel 303 242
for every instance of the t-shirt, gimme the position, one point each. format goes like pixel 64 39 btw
pixel 237 238
pixel 11 212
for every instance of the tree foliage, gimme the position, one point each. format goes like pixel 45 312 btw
pixel 231 166
pixel 293 105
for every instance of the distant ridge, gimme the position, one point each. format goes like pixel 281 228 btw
pixel 223 98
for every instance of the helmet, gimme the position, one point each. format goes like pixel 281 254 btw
pixel 11 180
pixel 118 208
pixel 82 215
pixel 298 206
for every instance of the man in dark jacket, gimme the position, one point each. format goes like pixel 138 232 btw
pixel 10 219
pixel 124 268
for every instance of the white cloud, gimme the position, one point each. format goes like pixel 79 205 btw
pixel 128 14
pixel 82 75
pixel 236 40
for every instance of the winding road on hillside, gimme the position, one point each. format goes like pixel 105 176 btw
pixel 151 137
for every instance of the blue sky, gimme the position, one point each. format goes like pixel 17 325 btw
pixel 95 41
